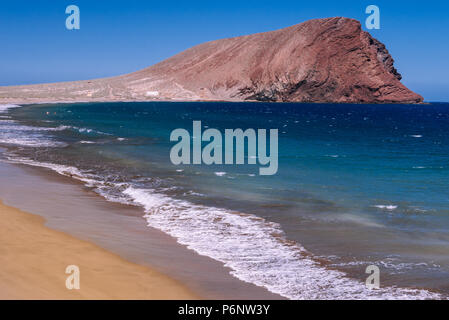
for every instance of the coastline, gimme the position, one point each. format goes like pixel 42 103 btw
pixel 119 230
pixel 34 258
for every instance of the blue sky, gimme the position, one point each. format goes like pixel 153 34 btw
pixel 118 37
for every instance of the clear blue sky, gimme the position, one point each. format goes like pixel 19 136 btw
pixel 118 37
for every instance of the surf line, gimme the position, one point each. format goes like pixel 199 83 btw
pixel 185 152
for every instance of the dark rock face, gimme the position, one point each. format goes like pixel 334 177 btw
pixel 384 57
pixel 324 60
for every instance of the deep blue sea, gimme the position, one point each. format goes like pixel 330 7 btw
pixel 357 185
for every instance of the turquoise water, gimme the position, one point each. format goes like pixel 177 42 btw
pixel 357 185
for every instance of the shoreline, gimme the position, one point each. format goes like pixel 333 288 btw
pixel 34 258
pixel 229 284
pixel 68 207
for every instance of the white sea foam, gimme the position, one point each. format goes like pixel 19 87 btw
pixel 69 171
pixel 392 264
pixel 15 134
pixel 30 136
pixel 18 127
pixel 23 136
pixel 5 107
pixel 30 142
pixel 15 126
pixel 386 207
pixel 254 249
pixel 80 130
pixel 26 136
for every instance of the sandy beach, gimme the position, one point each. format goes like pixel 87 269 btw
pixel 33 260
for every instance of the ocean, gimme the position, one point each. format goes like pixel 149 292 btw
pixel 357 185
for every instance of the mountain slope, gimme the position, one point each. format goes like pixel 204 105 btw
pixel 322 60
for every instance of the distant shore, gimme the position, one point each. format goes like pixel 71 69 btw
pixel 34 258
pixel 65 101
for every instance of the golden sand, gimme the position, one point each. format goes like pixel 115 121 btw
pixel 34 258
